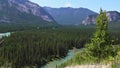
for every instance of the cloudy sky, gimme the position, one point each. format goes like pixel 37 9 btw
pixel 91 4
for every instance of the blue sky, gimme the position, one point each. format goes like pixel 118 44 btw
pixel 94 5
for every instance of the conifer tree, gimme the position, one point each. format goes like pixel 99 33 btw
pixel 100 45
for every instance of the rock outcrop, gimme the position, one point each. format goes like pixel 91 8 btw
pixel 112 16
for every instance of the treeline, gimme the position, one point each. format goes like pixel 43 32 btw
pixel 37 47
pixel 20 26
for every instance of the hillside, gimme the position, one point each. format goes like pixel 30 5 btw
pixel 22 11
pixel 68 15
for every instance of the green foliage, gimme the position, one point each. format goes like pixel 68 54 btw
pixel 37 47
pixel 101 45
pixel 116 62
pixel 47 43
pixel 100 50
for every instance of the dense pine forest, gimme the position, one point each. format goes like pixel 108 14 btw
pixel 35 45
pixel 59 34
pixel 38 46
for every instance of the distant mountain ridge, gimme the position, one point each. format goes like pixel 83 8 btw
pixel 68 15
pixel 14 11
pixel 112 16
pixel 25 11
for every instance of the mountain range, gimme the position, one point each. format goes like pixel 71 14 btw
pixel 68 15
pixel 23 11
pixel 76 16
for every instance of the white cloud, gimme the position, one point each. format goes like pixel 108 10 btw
pixel 68 4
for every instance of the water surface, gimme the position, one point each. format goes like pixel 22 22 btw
pixel 4 34
pixel 58 62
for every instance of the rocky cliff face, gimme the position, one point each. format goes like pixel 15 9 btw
pixel 22 6
pixel 90 19
pixel 112 16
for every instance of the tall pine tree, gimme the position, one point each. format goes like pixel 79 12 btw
pixel 100 45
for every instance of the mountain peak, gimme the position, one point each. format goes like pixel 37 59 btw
pixel 69 15
pixel 20 8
